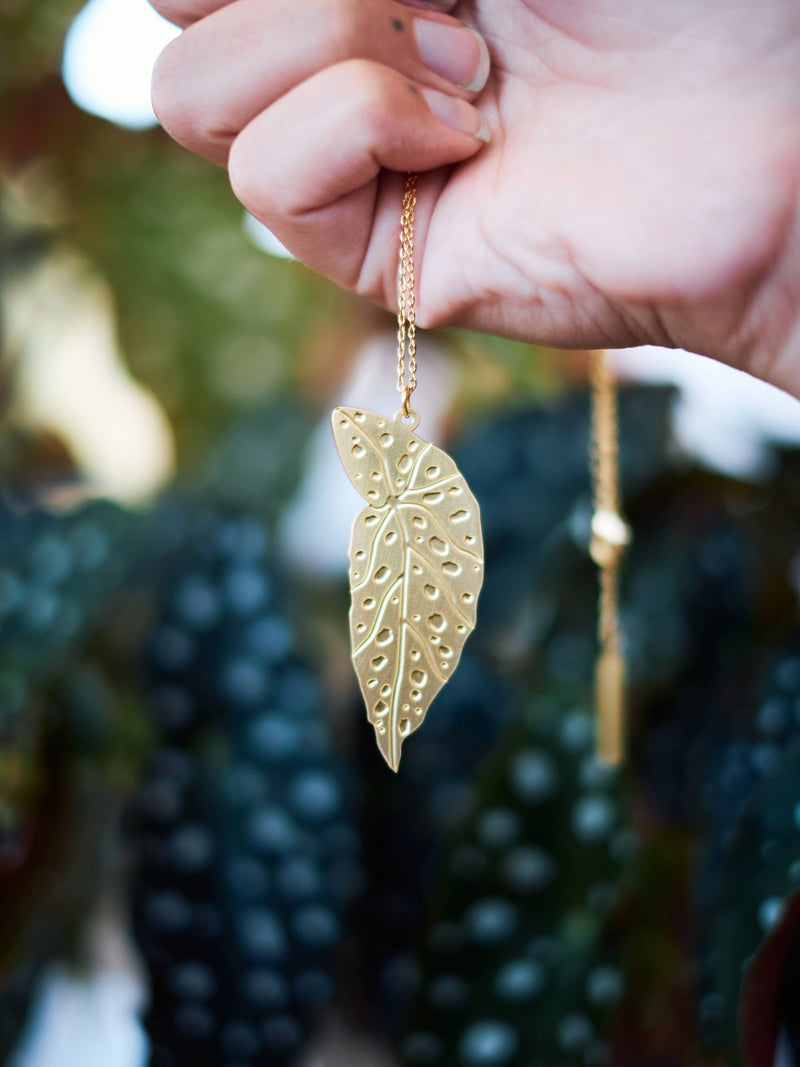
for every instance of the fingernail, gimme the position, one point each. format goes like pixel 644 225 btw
pixel 454 52
pixel 437 5
pixel 457 114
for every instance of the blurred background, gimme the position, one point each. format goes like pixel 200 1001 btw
pixel 203 859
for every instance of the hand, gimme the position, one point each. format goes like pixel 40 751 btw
pixel 640 187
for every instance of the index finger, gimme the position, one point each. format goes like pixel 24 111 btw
pixel 184 12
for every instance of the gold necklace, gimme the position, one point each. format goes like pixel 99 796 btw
pixel 610 535
pixel 416 549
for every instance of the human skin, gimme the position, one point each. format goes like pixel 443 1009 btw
pixel 641 184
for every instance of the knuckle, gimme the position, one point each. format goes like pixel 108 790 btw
pixel 370 93
pixel 165 90
pixel 180 104
pixel 350 26
pixel 180 12
pixel 248 178
pixel 342 28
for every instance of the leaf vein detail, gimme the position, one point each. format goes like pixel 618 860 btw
pixel 378 452
pixel 398 674
pixel 440 529
pixel 373 546
pixel 379 614
pixel 444 587
pixel 431 485
pixel 420 457
pixel 424 647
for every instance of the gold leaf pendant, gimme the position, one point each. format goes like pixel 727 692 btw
pixel 416 569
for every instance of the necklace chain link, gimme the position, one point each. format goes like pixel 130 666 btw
pixel 406 324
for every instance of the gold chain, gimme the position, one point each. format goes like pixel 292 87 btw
pixel 406 325
pixel 610 532
pixel 610 535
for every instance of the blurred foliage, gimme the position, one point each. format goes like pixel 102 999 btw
pixel 209 322
pixel 575 917
pixel 71 735
pixel 31 37
pixel 519 901
pixel 247 855
pixel 519 904
pixel 59 575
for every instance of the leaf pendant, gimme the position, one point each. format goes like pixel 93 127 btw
pixel 416 569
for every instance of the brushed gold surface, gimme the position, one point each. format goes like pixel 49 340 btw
pixel 416 569
pixel 610 699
